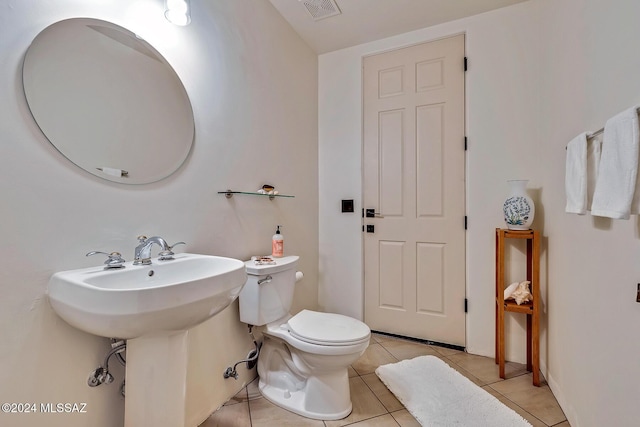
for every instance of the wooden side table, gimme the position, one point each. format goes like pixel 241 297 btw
pixel 530 308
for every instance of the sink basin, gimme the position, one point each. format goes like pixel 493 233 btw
pixel 140 300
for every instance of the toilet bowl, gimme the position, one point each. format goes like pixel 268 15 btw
pixel 304 358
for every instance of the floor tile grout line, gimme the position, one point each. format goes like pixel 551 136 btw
pixel 374 393
pixel 246 388
pixel 516 404
pixel 457 367
pixel 525 373
pixel 391 354
pixel 370 418
pixel 500 380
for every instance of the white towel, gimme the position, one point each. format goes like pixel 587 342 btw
pixel 616 182
pixel 575 180
pixel 594 147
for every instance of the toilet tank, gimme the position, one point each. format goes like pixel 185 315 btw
pixel 268 293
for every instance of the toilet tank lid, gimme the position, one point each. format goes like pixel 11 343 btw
pixel 281 264
pixel 327 328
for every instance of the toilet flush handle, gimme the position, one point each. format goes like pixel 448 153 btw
pixel 265 280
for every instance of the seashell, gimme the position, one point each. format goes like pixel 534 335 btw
pixel 510 289
pixel 522 293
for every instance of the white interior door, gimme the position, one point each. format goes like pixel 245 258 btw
pixel 414 260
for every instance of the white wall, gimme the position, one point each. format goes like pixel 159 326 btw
pixel 540 73
pixel 501 114
pixel 591 61
pixel 253 87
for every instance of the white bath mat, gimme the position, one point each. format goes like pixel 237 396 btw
pixel 438 395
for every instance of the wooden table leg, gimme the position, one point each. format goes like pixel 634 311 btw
pixel 497 335
pixel 500 302
pixel 535 280
pixel 529 341
pixel 535 350
pixel 497 324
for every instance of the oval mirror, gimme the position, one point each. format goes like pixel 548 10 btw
pixel 108 101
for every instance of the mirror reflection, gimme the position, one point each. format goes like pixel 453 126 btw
pixel 108 101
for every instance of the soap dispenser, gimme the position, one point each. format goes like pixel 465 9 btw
pixel 277 244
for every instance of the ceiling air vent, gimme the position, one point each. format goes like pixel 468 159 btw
pixel 320 9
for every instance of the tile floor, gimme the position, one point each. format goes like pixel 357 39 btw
pixel 375 406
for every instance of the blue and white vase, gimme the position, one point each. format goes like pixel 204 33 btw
pixel 518 208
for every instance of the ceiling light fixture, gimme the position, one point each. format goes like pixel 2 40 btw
pixel 177 12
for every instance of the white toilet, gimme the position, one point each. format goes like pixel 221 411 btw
pixel 304 358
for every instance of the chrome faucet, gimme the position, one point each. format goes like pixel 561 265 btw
pixel 142 254
pixel 114 259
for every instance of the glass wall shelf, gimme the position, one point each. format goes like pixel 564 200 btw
pixel 229 193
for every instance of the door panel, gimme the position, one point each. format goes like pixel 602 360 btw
pixel 430 259
pixel 391 162
pixel 429 167
pixel 390 264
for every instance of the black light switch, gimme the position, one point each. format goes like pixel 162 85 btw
pixel 347 205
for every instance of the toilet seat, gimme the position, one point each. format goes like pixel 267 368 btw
pixel 327 329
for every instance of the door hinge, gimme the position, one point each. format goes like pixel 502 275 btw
pixel 465 143
pixel 466 305
pixel 465 63
pixel 466 222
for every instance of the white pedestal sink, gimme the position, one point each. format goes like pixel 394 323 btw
pixel 152 307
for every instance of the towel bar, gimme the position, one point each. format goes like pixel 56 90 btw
pixel 599 131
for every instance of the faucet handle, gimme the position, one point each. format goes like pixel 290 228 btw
pixel 141 238
pixel 176 244
pixel 168 254
pixel 114 259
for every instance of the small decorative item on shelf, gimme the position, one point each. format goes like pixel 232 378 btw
pixel 518 291
pixel 268 189
pixel 518 208
pixel 263 260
